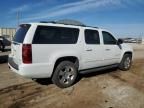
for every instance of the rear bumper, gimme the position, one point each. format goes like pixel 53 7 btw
pixel 12 63
pixel 38 70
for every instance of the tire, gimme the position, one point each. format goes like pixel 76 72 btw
pixel 126 62
pixel 2 47
pixel 65 74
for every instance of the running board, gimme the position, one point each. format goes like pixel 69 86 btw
pixel 98 69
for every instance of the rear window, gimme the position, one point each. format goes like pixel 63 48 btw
pixel 21 32
pixel 55 35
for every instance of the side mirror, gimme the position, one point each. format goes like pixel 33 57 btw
pixel 119 41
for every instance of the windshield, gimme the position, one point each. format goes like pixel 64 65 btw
pixel 21 32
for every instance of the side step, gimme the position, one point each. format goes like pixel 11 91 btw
pixel 98 69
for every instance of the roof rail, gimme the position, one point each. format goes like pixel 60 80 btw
pixel 92 26
pixel 47 21
pixel 68 22
pixel 65 22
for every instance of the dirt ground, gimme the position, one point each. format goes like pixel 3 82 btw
pixel 104 89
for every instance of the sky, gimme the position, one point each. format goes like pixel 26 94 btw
pixel 124 18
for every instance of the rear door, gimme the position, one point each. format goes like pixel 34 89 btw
pixel 92 55
pixel 16 47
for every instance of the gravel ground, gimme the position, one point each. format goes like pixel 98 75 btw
pixel 104 89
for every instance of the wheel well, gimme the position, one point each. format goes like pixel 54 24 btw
pixel 130 53
pixel 68 58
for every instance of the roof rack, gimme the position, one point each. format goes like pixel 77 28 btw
pixel 47 22
pixel 67 22
pixel 70 22
pixel 92 26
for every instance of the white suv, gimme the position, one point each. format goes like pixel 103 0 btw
pixel 62 51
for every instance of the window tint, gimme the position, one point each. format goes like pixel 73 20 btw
pixel 92 37
pixel 55 35
pixel 21 32
pixel 108 38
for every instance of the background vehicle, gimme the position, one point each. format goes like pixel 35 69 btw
pixel 2 46
pixel 4 41
pixel 61 51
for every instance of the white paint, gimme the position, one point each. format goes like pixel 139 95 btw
pixel 44 56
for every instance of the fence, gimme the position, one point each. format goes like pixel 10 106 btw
pixel 8 32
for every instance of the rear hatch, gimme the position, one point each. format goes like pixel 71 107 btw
pixel 16 47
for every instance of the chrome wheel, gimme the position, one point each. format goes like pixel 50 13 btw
pixel 127 63
pixel 66 75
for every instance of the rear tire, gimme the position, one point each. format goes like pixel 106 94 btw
pixel 126 62
pixel 65 74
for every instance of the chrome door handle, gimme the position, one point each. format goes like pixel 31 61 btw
pixel 89 50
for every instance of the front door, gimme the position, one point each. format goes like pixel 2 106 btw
pixel 111 50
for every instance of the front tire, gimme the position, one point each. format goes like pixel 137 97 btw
pixel 126 62
pixel 65 74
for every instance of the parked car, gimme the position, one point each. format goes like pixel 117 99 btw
pixel 62 51
pixel 2 45
pixel 4 41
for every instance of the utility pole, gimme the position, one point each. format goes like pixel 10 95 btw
pixel 18 18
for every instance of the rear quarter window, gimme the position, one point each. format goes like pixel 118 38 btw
pixel 21 32
pixel 55 35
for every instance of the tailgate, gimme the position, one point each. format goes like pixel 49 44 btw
pixel 16 53
pixel 16 46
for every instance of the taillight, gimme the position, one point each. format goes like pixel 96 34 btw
pixel 27 53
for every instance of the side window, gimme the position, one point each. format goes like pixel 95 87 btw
pixel 92 37
pixel 55 35
pixel 108 38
